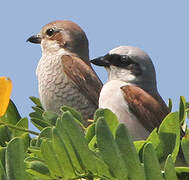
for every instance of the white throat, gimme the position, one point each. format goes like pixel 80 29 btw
pixel 52 48
pixel 116 73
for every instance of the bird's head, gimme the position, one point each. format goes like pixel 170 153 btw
pixel 128 64
pixel 62 35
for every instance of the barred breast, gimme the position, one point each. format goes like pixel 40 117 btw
pixel 56 89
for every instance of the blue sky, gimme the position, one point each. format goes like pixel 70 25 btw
pixel 160 28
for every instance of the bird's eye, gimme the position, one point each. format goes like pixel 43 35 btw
pixel 50 32
pixel 126 60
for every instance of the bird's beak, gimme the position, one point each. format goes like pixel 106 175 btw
pixel 36 39
pixel 101 61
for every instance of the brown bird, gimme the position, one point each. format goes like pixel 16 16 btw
pixel 131 91
pixel 65 76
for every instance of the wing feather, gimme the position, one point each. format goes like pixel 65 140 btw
pixel 148 109
pixel 83 76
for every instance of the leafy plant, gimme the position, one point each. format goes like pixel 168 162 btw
pixel 65 149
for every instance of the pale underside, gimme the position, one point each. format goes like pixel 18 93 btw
pixel 111 97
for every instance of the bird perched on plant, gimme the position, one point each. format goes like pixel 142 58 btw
pixel 131 91
pixel 65 76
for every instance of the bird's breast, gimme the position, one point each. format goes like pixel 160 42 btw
pixel 111 97
pixel 56 89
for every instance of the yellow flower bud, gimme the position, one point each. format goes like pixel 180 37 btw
pixel 5 92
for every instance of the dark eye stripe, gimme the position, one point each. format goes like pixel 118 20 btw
pixel 119 60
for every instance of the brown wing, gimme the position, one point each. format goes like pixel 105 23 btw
pixel 83 76
pixel 148 109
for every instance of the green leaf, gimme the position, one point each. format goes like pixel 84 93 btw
pixel 35 115
pixel 36 101
pixel 12 115
pixel 26 139
pixel 23 123
pixel 182 172
pixel 38 110
pixel 139 145
pixel 129 153
pixel 109 150
pixel 39 169
pixel 46 133
pixel 33 142
pixel 151 164
pixel 185 147
pixel 62 154
pixel 51 159
pixel 5 135
pixel 170 173
pixel 93 144
pixel 2 155
pixel 71 149
pixel 75 113
pixel 2 163
pixel 79 144
pixel 154 138
pixel 102 168
pixel 170 105
pixel 15 160
pixel 2 172
pixel 169 134
pixel 110 118
pixel 31 159
pixel 90 132
pixel 40 124
pixel 182 112
pixel 35 151
pixel 50 117
pixel 76 144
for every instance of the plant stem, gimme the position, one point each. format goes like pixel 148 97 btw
pixel 19 128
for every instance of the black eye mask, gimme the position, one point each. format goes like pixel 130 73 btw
pixel 122 61
pixel 113 59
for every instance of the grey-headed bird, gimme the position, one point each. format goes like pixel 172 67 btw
pixel 131 90
pixel 65 76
